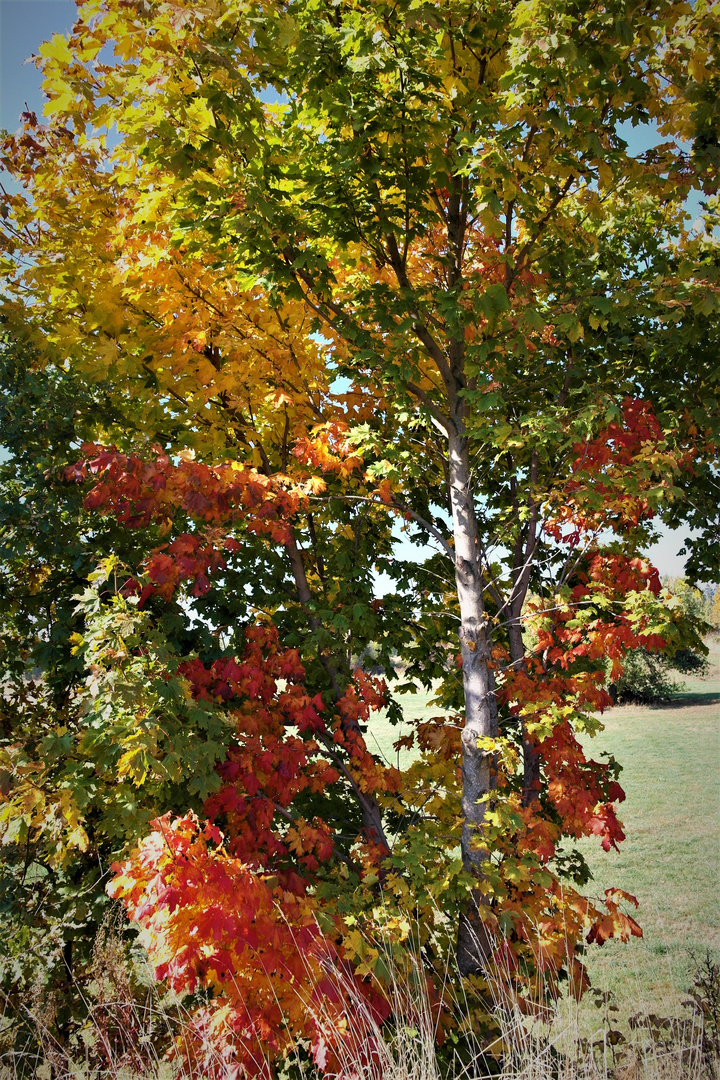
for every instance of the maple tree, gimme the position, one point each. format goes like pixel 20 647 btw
pixel 428 285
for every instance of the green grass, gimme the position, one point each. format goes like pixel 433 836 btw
pixel 381 735
pixel 671 858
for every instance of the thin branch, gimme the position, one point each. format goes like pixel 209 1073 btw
pixel 510 275
pixel 401 509
pixel 444 421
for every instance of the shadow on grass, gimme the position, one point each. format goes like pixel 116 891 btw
pixel 687 700
pixel 692 697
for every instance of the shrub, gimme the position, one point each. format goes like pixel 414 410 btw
pixel 646 679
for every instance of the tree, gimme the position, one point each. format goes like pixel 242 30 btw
pixel 441 210
pixel 714 616
pixel 47 555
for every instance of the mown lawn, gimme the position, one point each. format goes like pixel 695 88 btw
pixel 381 735
pixel 671 857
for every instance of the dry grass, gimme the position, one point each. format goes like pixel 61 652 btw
pixel 127 1035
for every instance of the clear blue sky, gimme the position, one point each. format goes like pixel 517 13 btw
pixel 24 24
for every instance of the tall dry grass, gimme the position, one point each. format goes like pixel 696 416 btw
pixel 131 1025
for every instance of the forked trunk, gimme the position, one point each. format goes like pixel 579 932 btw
pixel 480 711
pixel 531 756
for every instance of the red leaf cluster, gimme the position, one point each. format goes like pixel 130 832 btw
pixel 619 444
pixel 274 756
pixel 615 923
pixel 567 670
pixel 210 920
pixel 327 449
pixel 139 492
pixel 612 476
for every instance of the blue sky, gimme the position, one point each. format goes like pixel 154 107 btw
pixel 24 24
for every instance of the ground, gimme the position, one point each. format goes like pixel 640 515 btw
pixel 671 857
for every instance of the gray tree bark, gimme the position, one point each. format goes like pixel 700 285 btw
pixel 478 777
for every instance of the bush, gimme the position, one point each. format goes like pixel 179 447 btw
pixel 645 680
pixel 647 677
pixel 132 1027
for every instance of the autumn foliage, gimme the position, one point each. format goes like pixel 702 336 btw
pixel 207 893
pixel 233 911
pixel 286 284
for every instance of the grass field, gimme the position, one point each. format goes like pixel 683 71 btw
pixel 671 857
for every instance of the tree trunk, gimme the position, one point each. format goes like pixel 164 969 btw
pixel 480 711
pixel 531 757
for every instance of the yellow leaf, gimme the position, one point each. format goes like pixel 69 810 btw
pixel 605 173
pixel 132 764
pixel 78 838
pixel 56 49
pixel 697 66
pixel 59 104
